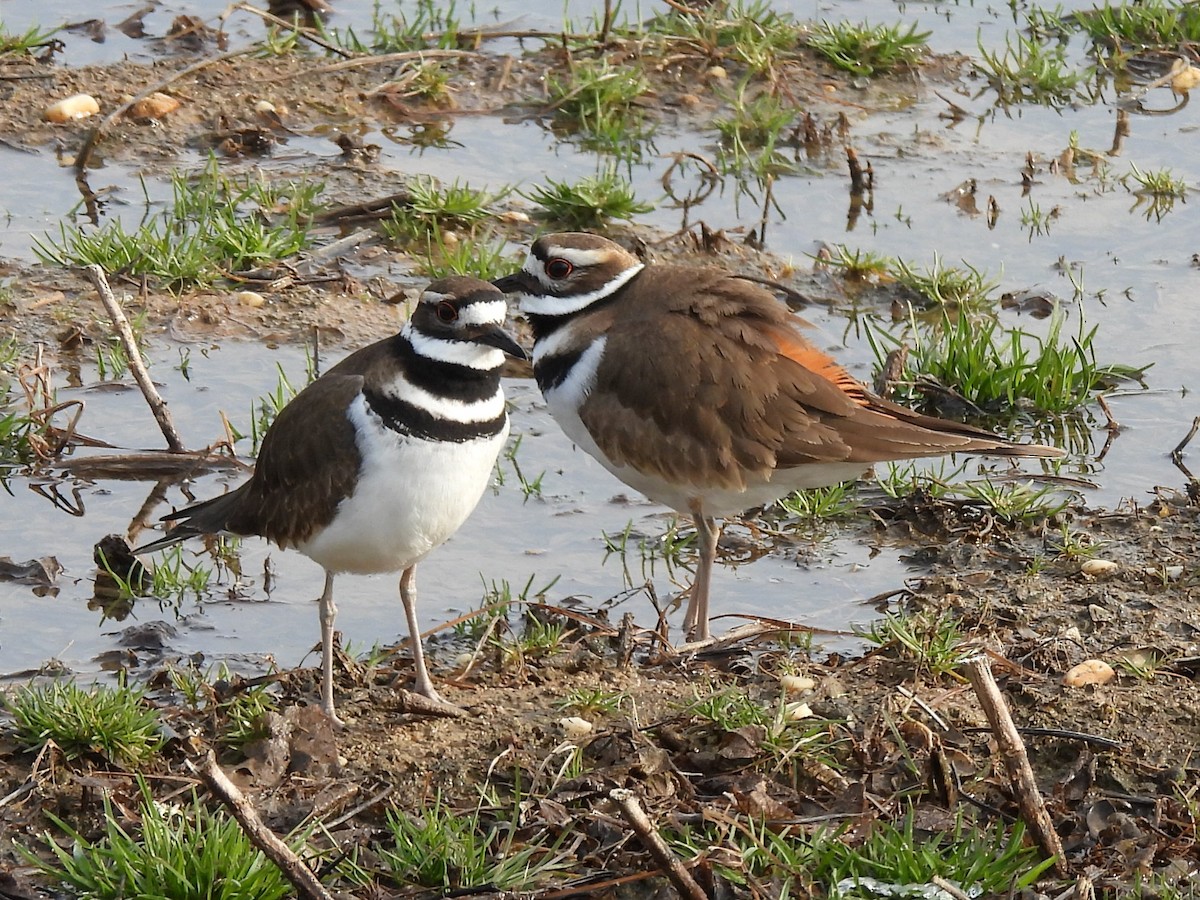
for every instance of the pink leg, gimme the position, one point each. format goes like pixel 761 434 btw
pixel 695 623
pixel 408 596
pixel 328 613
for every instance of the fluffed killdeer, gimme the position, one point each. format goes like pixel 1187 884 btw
pixel 697 388
pixel 382 458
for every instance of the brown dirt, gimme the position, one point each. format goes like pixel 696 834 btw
pixel 890 728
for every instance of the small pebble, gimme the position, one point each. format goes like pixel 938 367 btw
pixel 575 727
pixel 797 711
pixel 77 106
pixel 717 72
pixel 253 299
pixel 796 684
pixel 1099 568
pixel 156 106
pixel 1186 80
pixel 1090 671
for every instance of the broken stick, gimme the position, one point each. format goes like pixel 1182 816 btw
pixel 671 865
pixel 303 879
pixel 1016 760
pixel 158 406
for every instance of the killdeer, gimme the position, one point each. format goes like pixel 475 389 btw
pixel 382 458
pixel 697 388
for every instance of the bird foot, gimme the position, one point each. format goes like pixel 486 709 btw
pixel 336 723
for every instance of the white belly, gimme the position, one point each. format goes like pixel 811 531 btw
pixel 565 399
pixel 412 495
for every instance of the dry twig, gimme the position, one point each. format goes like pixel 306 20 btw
pixel 1016 760
pixel 158 406
pixel 293 867
pixel 671 865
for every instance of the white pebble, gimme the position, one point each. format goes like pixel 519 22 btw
pixel 575 727
pixel 1098 568
pixel 797 711
pixel 77 106
pixel 796 684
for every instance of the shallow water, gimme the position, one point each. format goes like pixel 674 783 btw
pixel 510 538
pixel 1138 282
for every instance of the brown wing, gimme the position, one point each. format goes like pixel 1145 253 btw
pixel 302 472
pixel 747 392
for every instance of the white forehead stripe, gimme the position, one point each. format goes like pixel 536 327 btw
pixel 550 305
pixel 462 353
pixel 493 312
pixel 488 312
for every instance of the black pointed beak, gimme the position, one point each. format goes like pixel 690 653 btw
pixel 515 283
pixel 500 339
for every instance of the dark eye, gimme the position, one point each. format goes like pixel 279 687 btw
pixel 446 311
pixel 559 268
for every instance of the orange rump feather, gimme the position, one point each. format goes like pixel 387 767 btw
pixel 797 349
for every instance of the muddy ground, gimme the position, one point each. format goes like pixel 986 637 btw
pixel 1115 762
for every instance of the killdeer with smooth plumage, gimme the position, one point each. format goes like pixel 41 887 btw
pixel 383 457
pixel 697 388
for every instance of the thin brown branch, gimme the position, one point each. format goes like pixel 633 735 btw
pixel 145 465
pixel 386 59
pixel 1177 453
pixel 158 406
pixel 292 866
pixel 1016 760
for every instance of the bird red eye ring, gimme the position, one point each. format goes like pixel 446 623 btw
pixel 446 311
pixel 559 268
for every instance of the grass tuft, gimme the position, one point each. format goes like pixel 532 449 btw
pixel 1153 24
pixel 25 43
pixel 982 861
pixel 114 723
pixel 751 32
pixel 933 641
pixel 1001 370
pixel 596 100
pixel 213 225
pixel 186 853
pixel 588 203
pixel 870 50
pixel 1030 71
pixel 436 847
